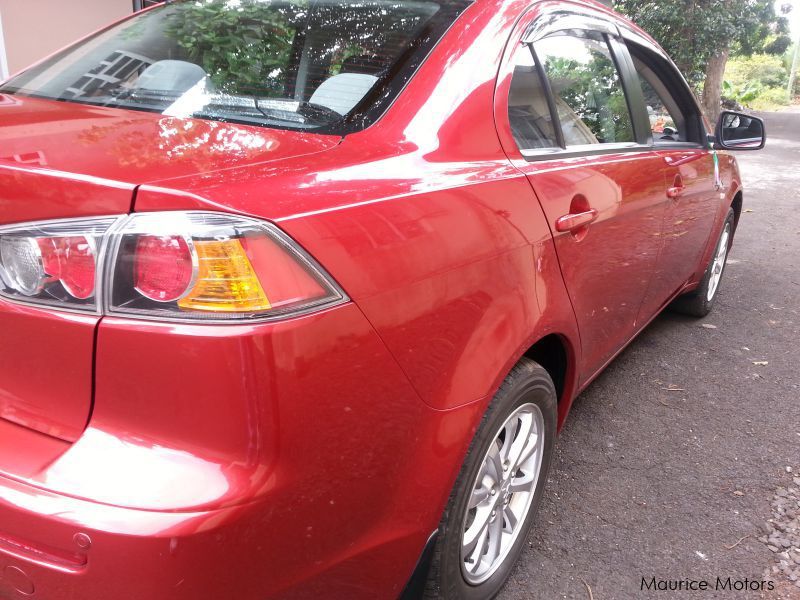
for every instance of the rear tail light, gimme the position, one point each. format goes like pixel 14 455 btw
pixel 53 263
pixel 196 266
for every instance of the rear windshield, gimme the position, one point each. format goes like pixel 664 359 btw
pixel 316 65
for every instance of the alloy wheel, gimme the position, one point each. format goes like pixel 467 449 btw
pixel 502 494
pixel 719 263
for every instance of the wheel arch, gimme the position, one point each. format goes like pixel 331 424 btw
pixel 551 353
pixel 736 205
pixel 556 354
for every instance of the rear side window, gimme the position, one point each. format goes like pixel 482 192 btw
pixel 587 88
pixel 528 110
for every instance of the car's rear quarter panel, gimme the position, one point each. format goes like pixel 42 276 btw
pixel 423 221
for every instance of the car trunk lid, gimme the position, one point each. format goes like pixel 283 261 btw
pixel 65 160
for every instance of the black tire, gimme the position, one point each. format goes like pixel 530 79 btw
pixel 528 383
pixel 696 303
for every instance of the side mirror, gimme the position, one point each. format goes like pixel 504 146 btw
pixel 738 131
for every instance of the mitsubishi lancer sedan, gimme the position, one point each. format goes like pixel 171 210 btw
pixel 295 296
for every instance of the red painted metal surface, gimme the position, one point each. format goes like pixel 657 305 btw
pixel 691 222
pixel 287 459
pixel 46 360
pixel 124 148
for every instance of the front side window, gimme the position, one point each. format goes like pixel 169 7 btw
pixel 587 88
pixel 304 64
pixel 673 114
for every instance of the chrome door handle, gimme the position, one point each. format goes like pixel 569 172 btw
pixel 575 221
pixel 675 192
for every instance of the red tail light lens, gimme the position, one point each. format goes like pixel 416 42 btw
pixel 72 261
pixel 164 267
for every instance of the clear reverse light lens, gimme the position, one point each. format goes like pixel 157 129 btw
pixel 22 265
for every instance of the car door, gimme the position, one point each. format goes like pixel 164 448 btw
pixel 589 160
pixel 689 169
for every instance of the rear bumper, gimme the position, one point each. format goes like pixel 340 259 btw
pixel 283 460
pixel 58 548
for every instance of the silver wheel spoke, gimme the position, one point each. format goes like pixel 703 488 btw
pixel 516 447
pixel 522 484
pixel 475 554
pixel 495 463
pixel 530 450
pixel 483 493
pixel 476 532
pixel 495 538
pixel 511 518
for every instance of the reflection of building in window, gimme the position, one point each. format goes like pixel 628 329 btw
pixel 113 71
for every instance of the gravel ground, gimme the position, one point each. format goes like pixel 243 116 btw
pixel 782 534
pixel 693 483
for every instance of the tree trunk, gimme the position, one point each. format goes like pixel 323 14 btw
pixel 712 89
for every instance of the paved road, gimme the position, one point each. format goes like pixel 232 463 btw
pixel 648 482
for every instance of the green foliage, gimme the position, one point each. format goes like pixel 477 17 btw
pixel 777 45
pixel 742 93
pixel 693 31
pixel 243 46
pixel 770 99
pixel 758 81
pixel 763 69
pixel 593 91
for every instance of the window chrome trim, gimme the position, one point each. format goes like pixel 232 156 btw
pixel 584 150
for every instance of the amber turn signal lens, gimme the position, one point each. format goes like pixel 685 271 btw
pixel 226 281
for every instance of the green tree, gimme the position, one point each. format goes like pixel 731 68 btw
pixel 242 46
pixel 701 34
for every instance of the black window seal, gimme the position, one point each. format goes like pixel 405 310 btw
pixel 632 89
pixel 544 80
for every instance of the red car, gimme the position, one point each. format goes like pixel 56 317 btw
pixel 295 296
